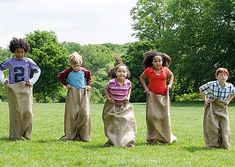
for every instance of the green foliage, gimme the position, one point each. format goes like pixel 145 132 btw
pixel 133 59
pixel 188 97
pixel 98 59
pixel 51 57
pixel 72 46
pixel 198 35
pixel 98 85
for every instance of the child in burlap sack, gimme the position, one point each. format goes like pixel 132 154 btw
pixel 157 74
pixel 118 113
pixel 77 79
pixel 19 88
pixel 217 95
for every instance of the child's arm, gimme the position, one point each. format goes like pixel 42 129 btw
pixel 229 99
pixel 35 77
pixel 171 79
pixel 62 76
pixel 107 96
pixel 205 99
pixel 143 83
pixel 128 96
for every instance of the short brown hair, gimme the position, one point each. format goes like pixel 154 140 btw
pixel 221 70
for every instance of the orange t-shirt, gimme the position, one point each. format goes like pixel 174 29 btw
pixel 157 83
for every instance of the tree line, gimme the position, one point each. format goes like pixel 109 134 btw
pixel 199 36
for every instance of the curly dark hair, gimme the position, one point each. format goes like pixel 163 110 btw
pixel 148 58
pixel 18 43
pixel 111 72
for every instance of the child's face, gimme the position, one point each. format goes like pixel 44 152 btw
pixel 121 73
pixel 19 53
pixel 76 67
pixel 222 77
pixel 157 62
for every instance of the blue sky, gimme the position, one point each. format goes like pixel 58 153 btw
pixel 81 21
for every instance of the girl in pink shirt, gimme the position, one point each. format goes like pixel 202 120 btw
pixel 118 113
pixel 160 80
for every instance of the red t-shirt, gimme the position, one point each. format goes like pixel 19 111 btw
pixel 157 83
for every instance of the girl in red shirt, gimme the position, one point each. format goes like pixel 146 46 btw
pixel 160 80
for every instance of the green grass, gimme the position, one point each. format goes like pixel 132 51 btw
pixel 46 150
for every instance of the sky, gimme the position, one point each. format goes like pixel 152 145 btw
pixel 81 21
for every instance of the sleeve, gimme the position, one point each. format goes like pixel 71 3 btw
pixel 62 76
pixel 36 71
pixel 146 71
pixel 168 71
pixel 34 67
pixel 35 76
pixel 87 75
pixel 205 88
pixel 3 66
pixel 232 89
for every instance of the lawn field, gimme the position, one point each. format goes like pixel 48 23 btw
pixel 44 149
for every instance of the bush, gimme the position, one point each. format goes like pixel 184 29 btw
pixel 188 97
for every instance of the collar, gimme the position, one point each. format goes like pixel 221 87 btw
pixel 116 82
pixel 219 86
pixel 152 69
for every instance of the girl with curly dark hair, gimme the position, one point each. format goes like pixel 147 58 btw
pixel 19 88
pixel 158 75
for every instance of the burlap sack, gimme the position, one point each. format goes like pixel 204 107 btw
pixel 158 119
pixel 119 124
pixel 216 125
pixel 20 100
pixel 77 123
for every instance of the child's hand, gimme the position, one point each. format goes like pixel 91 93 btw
pixel 226 104
pixel 28 83
pixel 169 86
pixel 6 82
pixel 207 102
pixel 68 86
pixel 111 100
pixel 126 100
pixel 146 91
pixel 88 88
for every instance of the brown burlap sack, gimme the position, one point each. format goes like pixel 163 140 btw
pixel 77 123
pixel 158 119
pixel 20 100
pixel 119 124
pixel 216 125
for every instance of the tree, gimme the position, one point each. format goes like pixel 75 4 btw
pixel 72 46
pixel 51 57
pixel 133 59
pixel 198 35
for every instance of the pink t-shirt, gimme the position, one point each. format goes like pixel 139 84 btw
pixel 157 83
pixel 118 92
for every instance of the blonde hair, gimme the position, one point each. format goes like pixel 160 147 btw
pixel 75 58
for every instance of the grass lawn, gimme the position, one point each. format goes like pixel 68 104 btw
pixel 46 150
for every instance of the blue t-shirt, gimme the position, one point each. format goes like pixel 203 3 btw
pixel 77 79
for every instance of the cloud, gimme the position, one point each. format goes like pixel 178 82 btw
pixel 82 21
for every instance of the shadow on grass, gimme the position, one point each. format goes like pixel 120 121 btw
pixel 193 149
pixel 48 141
pixel 7 139
pixel 94 146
